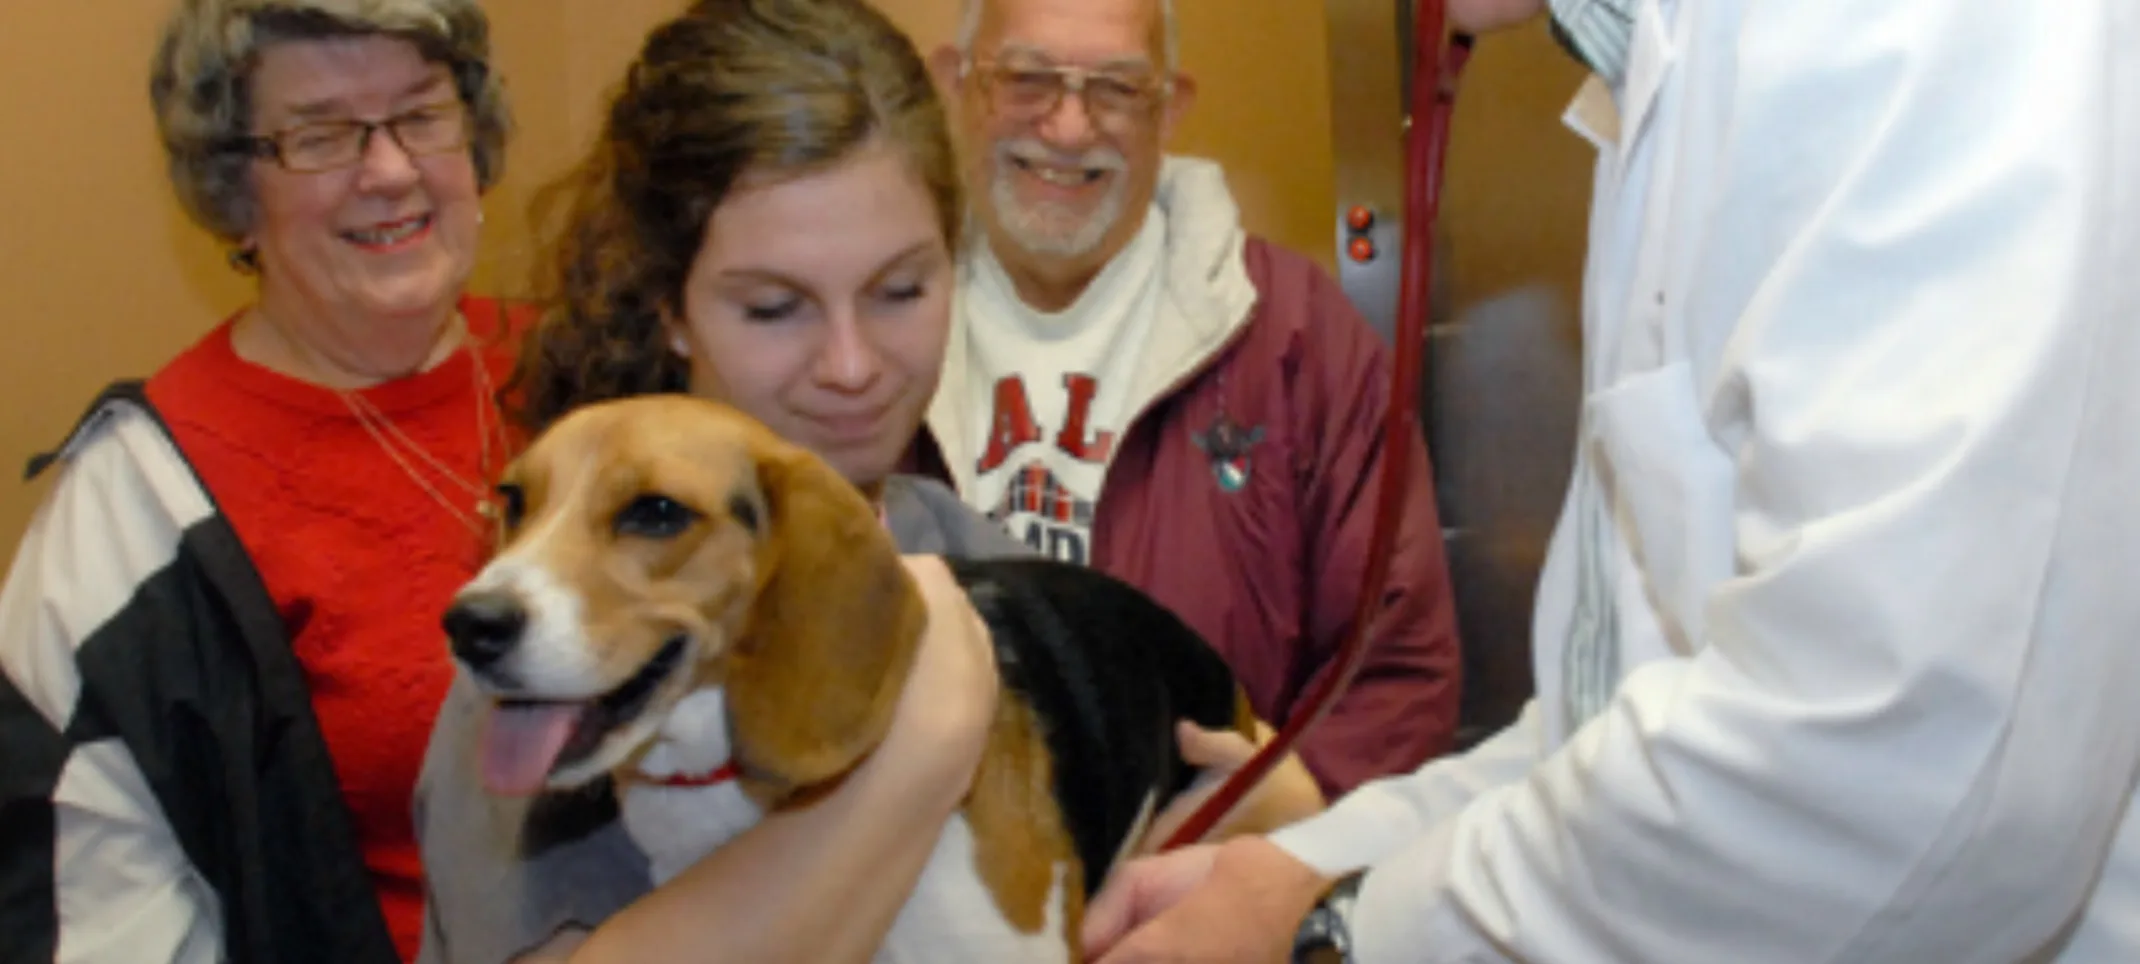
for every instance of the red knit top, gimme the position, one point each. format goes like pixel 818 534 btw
pixel 358 557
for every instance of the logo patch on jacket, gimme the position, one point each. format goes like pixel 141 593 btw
pixel 1227 443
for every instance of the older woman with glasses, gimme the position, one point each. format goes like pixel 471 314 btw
pixel 219 655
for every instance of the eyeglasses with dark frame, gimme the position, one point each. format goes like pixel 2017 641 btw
pixel 1027 91
pixel 310 148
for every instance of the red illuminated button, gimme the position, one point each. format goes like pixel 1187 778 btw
pixel 1361 249
pixel 1360 218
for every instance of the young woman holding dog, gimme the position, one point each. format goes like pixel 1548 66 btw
pixel 770 219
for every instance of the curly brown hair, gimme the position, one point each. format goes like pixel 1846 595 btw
pixel 776 88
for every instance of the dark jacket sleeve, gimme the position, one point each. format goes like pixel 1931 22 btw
pixel 88 858
pixel 35 751
pixel 1401 708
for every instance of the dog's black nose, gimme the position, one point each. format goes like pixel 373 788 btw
pixel 484 626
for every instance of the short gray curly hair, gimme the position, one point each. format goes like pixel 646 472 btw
pixel 199 85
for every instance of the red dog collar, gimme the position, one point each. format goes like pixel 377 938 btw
pixel 722 774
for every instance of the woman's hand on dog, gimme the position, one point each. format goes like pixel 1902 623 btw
pixel 942 721
pixel 1286 794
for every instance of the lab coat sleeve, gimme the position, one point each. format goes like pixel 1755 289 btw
pixel 1378 818
pixel 1909 735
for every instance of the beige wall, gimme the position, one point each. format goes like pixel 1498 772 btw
pixel 102 275
pixel 105 278
pixel 1518 182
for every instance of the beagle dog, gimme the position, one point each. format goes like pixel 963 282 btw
pixel 715 619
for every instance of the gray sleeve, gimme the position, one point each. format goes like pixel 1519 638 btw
pixel 927 518
pixel 505 875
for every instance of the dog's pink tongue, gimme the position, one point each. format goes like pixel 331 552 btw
pixel 521 743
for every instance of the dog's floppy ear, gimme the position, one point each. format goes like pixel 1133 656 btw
pixel 814 678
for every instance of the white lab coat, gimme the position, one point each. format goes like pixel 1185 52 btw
pixel 1838 640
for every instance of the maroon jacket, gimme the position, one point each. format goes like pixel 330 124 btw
pixel 1270 573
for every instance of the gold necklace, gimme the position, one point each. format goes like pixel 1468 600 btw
pixel 385 433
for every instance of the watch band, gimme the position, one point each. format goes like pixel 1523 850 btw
pixel 1325 935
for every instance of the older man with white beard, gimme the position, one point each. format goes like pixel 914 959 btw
pixel 1136 384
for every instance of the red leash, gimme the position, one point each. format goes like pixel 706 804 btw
pixel 1433 99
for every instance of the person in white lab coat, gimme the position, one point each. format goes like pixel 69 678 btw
pixel 1838 633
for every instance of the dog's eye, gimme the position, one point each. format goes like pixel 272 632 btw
pixel 654 517
pixel 744 510
pixel 514 505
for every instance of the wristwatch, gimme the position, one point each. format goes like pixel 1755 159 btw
pixel 1325 935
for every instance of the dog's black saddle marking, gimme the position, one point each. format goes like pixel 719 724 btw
pixel 1109 671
